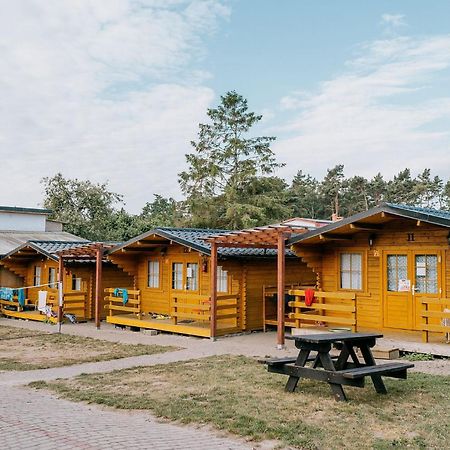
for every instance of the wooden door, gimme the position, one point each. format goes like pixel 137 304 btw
pixel 426 280
pixel 397 281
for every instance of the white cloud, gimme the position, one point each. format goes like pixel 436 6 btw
pixel 394 20
pixel 102 90
pixel 384 113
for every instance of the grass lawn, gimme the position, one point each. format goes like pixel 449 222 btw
pixel 235 393
pixel 22 349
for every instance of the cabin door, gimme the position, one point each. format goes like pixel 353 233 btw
pixel 408 277
pixel 398 303
pixel 426 279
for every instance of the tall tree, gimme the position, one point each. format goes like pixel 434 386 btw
pixel 86 208
pixel 332 189
pixel 304 196
pixel 401 189
pixel 376 190
pixel 356 196
pixel 224 165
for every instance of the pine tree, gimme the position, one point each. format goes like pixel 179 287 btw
pixel 224 165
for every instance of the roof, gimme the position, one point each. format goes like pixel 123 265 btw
pixel 47 248
pixel 366 219
pixel 10 240
pixel 25 210
pixel 265 236
pixel 193 238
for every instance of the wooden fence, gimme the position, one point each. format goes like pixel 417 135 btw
pixel 337 308
pixel 439 315
pixel 197 308
pixel 73 303
pixel 132 306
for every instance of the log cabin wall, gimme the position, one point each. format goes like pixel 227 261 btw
pixel 399 236
pixel 246 278
pixel 10 279
pixel 112 276
pixel 260 273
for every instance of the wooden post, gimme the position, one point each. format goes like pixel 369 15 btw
pixel 281 265
pixel 98 284
pixel 60 291
pixel 213 288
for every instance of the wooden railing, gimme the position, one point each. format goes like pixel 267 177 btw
pixel 227 311
pixel 73 303
pixel 328 308
pixel 270 303
pixel 197 308
pixel 133 305
pixel 441 314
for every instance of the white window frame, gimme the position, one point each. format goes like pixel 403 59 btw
pixel 37 276
pixel 355 276
pixel 52 277
pixel 177 276
pixel 153 273
pixel 76 283
pixel 222 280
pixel 192 271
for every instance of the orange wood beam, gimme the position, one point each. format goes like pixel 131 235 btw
pixel 281 267
pixel 213 287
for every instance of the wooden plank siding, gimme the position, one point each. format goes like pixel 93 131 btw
pixel 392 237
pixel 246 278
pixel 260 273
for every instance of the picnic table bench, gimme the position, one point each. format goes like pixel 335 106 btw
pixel 344 369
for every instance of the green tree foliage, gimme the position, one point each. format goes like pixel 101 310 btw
pixel 332 190
pixel 90 210
pixel 304 197
pixel 222 183
pixel 85 207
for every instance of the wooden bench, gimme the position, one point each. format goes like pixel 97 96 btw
pixel 393 370
pixel 344 370
pixel 277 362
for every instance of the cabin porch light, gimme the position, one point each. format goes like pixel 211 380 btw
pixel 448 238
pixel 371 239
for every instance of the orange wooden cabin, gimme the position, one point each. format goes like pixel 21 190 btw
pixel 392 263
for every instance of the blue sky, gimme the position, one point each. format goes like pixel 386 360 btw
pixel 269 48
pixel 113 90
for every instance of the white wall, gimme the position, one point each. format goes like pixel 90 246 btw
pixel 22 222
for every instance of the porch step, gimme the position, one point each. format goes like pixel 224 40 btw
pixel 384 352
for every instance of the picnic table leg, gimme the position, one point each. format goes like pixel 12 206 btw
pixel 370 361
pixel 327 363
pixel 301 361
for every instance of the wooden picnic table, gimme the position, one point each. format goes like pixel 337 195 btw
pixel 345 369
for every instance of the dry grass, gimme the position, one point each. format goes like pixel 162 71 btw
pixel 22 349
pixel 237 394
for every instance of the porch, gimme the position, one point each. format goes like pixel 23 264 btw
pixel 75 303
pixel 190 314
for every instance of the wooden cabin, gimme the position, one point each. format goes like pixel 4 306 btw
pixel 171 268
pixel 36 263
pixel 384 269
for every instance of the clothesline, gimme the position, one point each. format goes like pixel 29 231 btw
pixel 37 286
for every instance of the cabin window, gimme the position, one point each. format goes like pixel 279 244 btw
pixel 177 276
pixel 351 270
pixel 192 276
pixel 222 279
pixel 52 277
pixel 37 275
pixel 153 274
pixel 76 283
pixel 397 270
pixel 426 267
